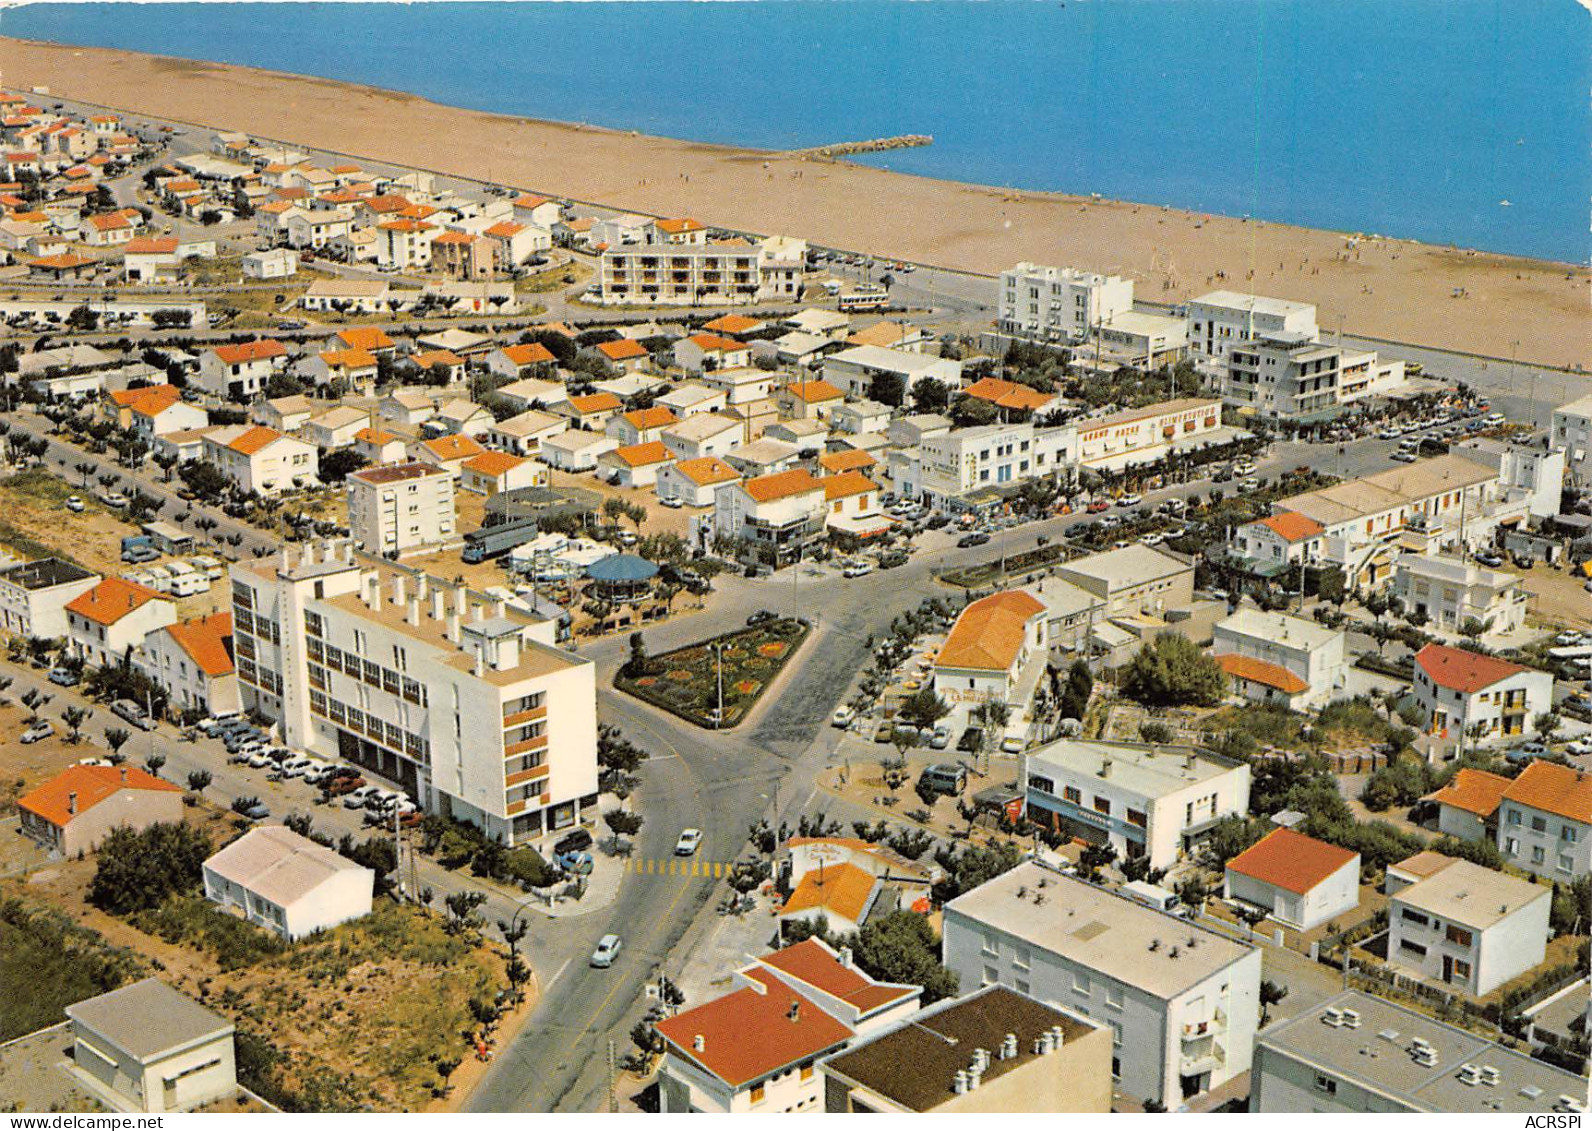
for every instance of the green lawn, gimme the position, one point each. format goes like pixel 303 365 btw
pixel 686 680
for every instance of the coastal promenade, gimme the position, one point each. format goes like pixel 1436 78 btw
pixel 1391 289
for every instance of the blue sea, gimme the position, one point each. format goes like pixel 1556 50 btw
pixel 1411 118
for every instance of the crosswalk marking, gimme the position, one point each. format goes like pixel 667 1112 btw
pixel 674 866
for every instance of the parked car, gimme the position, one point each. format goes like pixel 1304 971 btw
pixel 38 731
pixel 608 948
pixel 356 798
pixel 858 569
pixel 64 677
pixel 342 785
pixel 1130 500
pixel 842 717
pixel 941 737
pixel 257 811
pixel 74 504
pixel 132 712
pixel 883 732
pixel 944 777
pixel 577 841
pixel 977 538
pixel 1489 559
pixel 688 843
pixel 1526 751
pixel 971 739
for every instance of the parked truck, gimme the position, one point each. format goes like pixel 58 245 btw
pixel 495 541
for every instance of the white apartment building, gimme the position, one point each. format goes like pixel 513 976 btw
pixel 1282 376
pixel 1318 1063
pixel 1451 592
pixel 1182 1002
pixel 287 883
pixel 1269 546
pixel 1475 698
pixel 260 459
pixel 1530 476
pixel 396 507
pixel 1221 319
pixel 1144 435
pixel 1545 821
pixel 404 244
pixel 1468 927
pixel 1277 658
pixel 1143 800
pixel 955 465
pixel 107 623
pixel 1572 434
pixel 853 370
pixel 34 596
pixel 685 275
pixel 740 386
pixel 1424 507
pixel 1059 304
pixel 466 703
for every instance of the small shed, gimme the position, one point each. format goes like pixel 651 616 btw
pixel 146 1047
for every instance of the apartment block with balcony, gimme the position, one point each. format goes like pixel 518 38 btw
pixel 1467 696
pixel 1221 319
pixel 1282 377
pixel 465 702
pixel 1183 1003
pixel 778 516
pixel 1143 800
pixel 668 275
pixel 392 508
pixel 1059 304
pixel 968 468
pixel 1450 592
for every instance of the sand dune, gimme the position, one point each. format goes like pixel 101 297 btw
pixel 1389 288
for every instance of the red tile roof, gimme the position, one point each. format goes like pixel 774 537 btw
pixel 854 459
pixel 811 391
pixel 707 470
pixel 1008 394
pixel 1474 791
pixel 364 338
pixel 262 349
pixel 989 633
pixel 1555 789
pixel 644 455
pixel 1259 671
pixel 815 964
pixel 713 343
pixel 782 485
pixel 208 642
pixel 1291 861
pixel 844 889
pixel 453 447
pixel 596 402
pixel 847 484
pixel 754 1032
pixel 494 464
pixel 92 784
pixel 531 353
pixel 658 416
pixel 111 600
pixel 1292 527
pixel 255 440
pixel 622 350
pixel 1461 670
pixel 733 324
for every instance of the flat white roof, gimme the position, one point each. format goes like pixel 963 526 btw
pixel 1260 304
pixel 1139 768
pixel 1278 628
pixel 1470 894
pixel 1094 928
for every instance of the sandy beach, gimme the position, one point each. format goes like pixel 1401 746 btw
pixel 1393 289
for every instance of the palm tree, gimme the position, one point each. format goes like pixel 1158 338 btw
pixel 74 718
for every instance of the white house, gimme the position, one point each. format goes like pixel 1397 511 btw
pixel 1468 927
pixel 635 465
pixel 1451 593
pixel 398 506
pixel 34 596
pixel 778 515
pixel 336 427
pixel 707 434
pixel 1477 698
pixel 1220 319
pixel 1277 658
pixel 692 399
pixel 856 417
pixel 260 459
pixel 523 434
pixel 152 1049
pixel 1142 799
pixel 1572 434
pixel 711 351
pixel 106 623
pixel 1299 881
pixel 755 1049
pixel 192 661
pixel 1467 807
pixel 1545 821
pixel 516 361
pixel 854 370
pixel 356 368
pixel 984 657
pixel 693 481
pixel 238 372
pixel 640 426
pixel 275 263
pixel 286 883
pixel 1183 1003
pixel 575 450
pixel 741 385
pixel 354 296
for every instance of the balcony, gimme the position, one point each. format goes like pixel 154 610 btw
pixel 519 717
pixel 526 775
pixel 536 743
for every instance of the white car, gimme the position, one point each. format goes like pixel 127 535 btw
pixel 858 569
pixel 39 730
pixel 842 718
pixel 1578 747
pixel 74 504
pixel 672 502
pixel 608 948
pixel 688 842
pixel 357 798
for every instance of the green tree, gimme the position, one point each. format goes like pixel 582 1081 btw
pixel 1402 782
pixel 888 388
pixel 974 865
pixel 1173 672
pixel 1270 994
pixel 198 780
pixel 336 465
pixel 116 738
pixel 140 870
pixel 924 708
pixel 74 718
pixel 1077 690
pixel 1230 836
pixel 622 823
pixel 901 947
pixel 930 395
pixel 1546 723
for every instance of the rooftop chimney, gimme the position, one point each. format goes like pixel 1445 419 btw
pixel 308 557
pixel 71 802
pixel 422 585
pixel 437 601
pixel 499 607
pixel 844 956
pixel 461 599
pixel 1105 768
pixel 453 627
pixel 398 589
pixel 959 1084
pixel 480 663
pixel 699 1043
pixel 1057 1036
pixel 793 1014
pixel 371 584
pixel 480 614
pixel 412 613
pixel 1009 1046
pixel 348 551
pixel 124 774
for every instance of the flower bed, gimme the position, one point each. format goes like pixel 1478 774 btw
pixel 685 682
